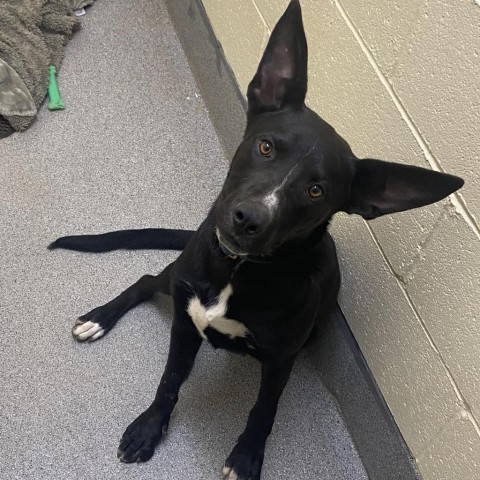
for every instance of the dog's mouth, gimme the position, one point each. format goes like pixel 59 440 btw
pixel 227 246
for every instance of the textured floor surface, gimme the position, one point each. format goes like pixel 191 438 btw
pixel 134 148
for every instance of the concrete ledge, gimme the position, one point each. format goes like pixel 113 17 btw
pixel 226 106
pixel 345 373
pixel 335 351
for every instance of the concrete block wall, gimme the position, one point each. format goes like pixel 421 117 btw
pixel 400 81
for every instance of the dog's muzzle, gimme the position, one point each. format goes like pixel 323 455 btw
pixel 227 248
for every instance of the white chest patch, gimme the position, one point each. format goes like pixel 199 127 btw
pixel 214 316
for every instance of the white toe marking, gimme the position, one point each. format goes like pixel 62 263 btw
pixel 229 474
pixel 88 330
pixel 99 334
pixel 82 327
pixel 214 316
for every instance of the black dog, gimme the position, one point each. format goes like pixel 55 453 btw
pixel 261 271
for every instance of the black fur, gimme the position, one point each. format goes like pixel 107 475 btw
pixel 266 235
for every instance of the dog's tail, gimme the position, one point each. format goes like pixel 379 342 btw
pixel 147 238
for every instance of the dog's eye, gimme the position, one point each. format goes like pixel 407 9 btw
pixel 315 191
pixel 265 148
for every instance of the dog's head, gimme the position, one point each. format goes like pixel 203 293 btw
pixel 292 171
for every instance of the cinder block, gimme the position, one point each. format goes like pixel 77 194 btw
pixel 386 27
pixel 405 366
pixel 347 92
pixel 453 455
pixel 403 234
pixel 242 33
pixel 437 81
pixel 446 292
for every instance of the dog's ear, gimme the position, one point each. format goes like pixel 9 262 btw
pixel 281 78
pixel 380 187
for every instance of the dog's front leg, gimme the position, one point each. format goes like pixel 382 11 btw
pixel 100 320
pixel 245 461
pixel 140 438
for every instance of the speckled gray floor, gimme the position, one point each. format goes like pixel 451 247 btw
pixel 133 148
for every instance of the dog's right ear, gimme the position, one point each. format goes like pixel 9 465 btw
pixel 281 78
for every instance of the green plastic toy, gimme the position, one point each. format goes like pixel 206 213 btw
pixel 56 102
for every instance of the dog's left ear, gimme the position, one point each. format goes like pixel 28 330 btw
pixel 380 187
pixel 281 78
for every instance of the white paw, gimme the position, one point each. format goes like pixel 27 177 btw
pixel 90 331
pixel 229 474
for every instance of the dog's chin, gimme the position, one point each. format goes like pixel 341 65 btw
pixel 228 247
pixel 231 248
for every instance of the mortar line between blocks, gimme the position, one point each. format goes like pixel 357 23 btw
pixel 456 199
pixel 463 403
pixel 262 17
pixel 417 256
pixel 468 414
pixel 452 419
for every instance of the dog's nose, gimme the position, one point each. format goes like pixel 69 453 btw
pixel 250 219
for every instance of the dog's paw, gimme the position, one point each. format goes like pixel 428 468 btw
pixel 229 474
pixel 94 324
pixel 140 439
pixel 243 464
pixel 86 330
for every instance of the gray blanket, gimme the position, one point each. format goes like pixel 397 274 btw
pixel 33 35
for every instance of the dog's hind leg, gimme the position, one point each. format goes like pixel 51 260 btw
pixel 100 320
